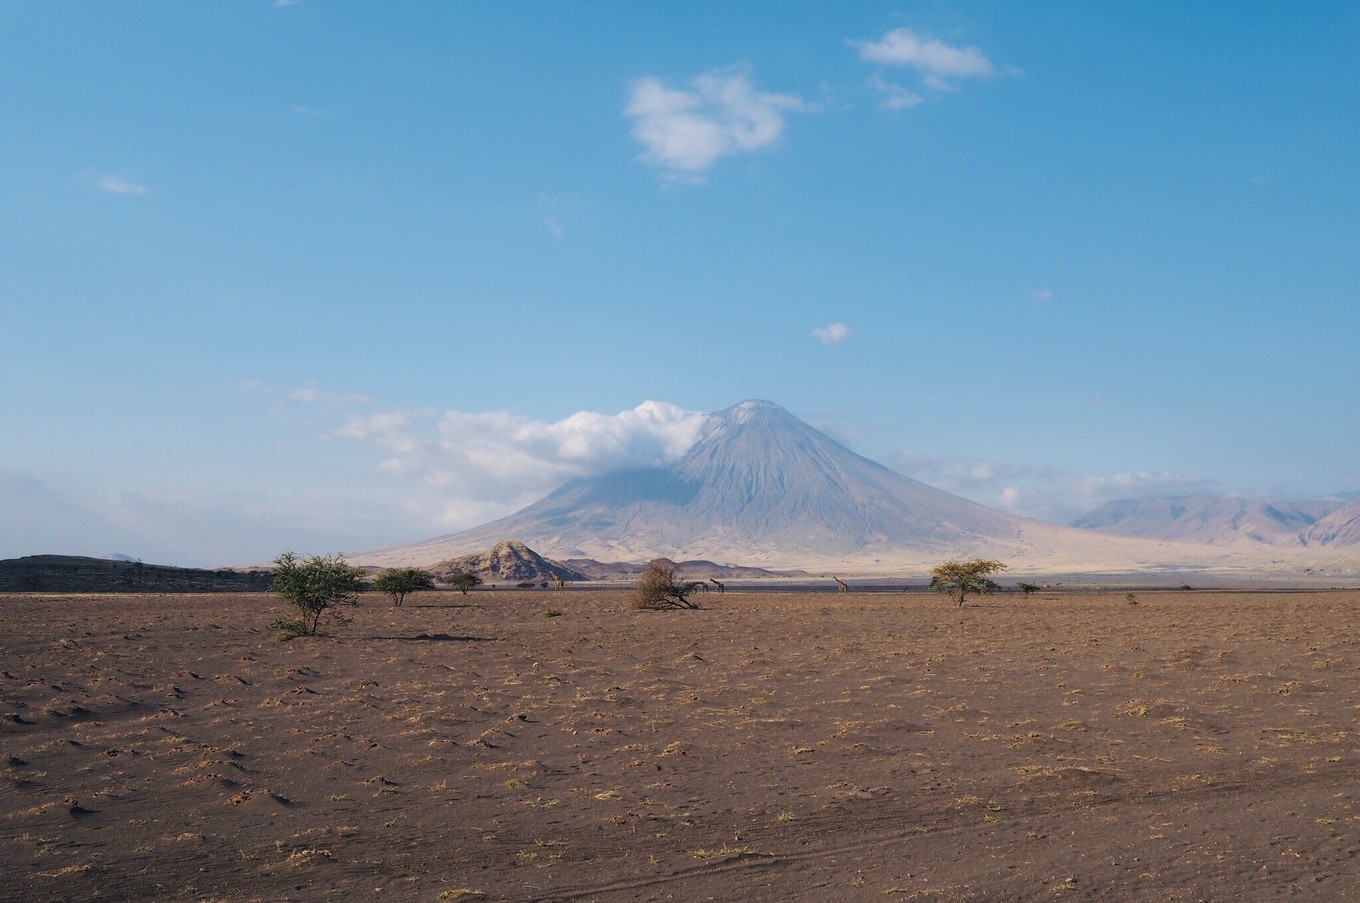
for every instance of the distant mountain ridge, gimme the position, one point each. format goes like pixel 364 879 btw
pixel 1340 528
pixel 1209 520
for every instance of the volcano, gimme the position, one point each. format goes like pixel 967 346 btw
pixel 760 487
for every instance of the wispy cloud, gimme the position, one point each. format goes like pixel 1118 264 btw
pixel 504 455
pixel 934 59
pixel 465 468
pixel 1095 491
pixel 940 66
pixel 308 393
pixel 832 335
pixel 894 96
pixel 1044 493
pixel 687 131
pixel 111 184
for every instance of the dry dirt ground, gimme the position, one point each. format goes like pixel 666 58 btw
pixel 1194 746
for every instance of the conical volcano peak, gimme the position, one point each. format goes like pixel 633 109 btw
pixel 764 415
pixel 753 409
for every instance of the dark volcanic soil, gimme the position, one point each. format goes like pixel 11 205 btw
pixel 1197 746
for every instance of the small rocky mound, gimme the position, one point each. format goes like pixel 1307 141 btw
pixel 509 561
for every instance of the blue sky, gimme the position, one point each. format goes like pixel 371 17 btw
pixel 325 276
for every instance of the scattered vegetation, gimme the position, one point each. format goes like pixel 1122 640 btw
pixel 1027 588
pixel 313 586
pixel 464 582
pixel 397 582
pixel 960 579
pixel 1131 598
pixel 661 587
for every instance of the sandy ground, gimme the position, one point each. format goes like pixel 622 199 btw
pixel 1194 746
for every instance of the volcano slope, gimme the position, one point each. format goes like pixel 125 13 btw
pixel 768 747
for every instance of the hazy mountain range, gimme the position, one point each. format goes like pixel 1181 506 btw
pixel 1224 522
pixel 762 488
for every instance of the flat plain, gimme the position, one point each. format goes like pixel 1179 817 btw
pixel 531 745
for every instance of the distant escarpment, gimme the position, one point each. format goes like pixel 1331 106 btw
pixel 75 574
pixel 1340 528
pixel 1216 521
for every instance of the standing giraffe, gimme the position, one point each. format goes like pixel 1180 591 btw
pixel 560 583
pixel 722 587
pixel 842 585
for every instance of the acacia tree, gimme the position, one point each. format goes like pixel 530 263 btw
pixel 313 586
pixel 464 582
pixel 959 579
pixel 397 582
pixel 661 587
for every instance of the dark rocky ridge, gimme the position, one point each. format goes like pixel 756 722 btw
pixel 76 574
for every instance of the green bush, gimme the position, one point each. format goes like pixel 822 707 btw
pixel 397 582
pixel 464 582
pixel 313 586
pixel 959 579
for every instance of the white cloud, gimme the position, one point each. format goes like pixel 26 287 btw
pixel 488 464
pixel 939 65
pixel 936 60
pixel 120 185
pixel 314 395
pixel 688 131
pixel 832 335
pixel 895 97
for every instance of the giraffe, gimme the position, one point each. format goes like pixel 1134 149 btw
pixel 722 587
pixel 560 583
pixel 841 585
